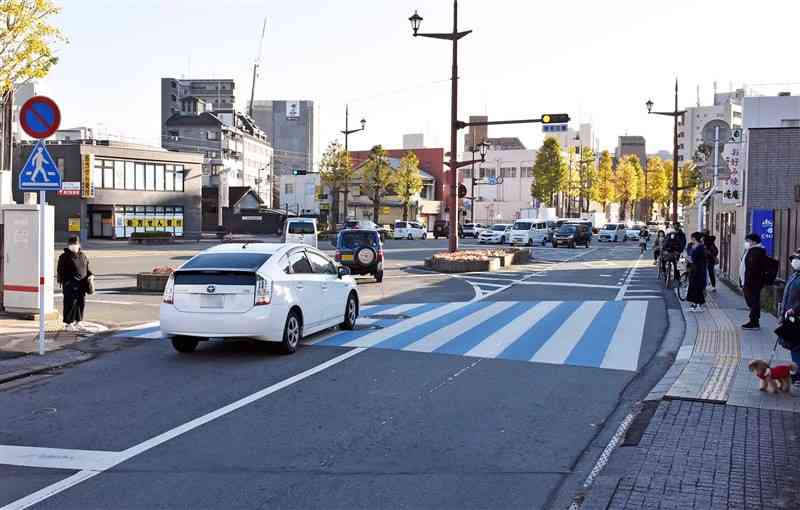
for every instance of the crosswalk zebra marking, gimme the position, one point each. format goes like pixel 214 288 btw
pixel 509 333
pixel 569 334
pixel 623 352
pixel 432 312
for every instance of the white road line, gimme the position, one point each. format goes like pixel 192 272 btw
pixel 497 342
pixel 630 275
pixel 641 290
pixel 401 327
pixel 85 474
pixel 563 340
pixel 141 326
pixel 438 338
pixel 57 458
pixel 623 352
pixel 571 284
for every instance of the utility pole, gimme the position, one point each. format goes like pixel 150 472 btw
pixel 347 132
pixel 256 64
pixel 675 114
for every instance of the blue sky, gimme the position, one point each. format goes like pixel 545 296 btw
pixel 598 61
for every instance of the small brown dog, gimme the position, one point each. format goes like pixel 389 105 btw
pixel 777 378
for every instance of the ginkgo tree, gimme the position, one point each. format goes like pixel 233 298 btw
pixel 626 184
pixel 378 177
pixel 336 172
pixel 408 181
pixel 657 191
pixel 603 187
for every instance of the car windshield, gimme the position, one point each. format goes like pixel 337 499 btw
pixel 401 224
pixel 498 228
pixel 610 226
pixel 350 224
pixel 567 229
pixel 301 227
pixel 522 225
pixel 241 261
pixel 352 240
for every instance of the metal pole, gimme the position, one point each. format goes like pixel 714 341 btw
pixel 453 237
pixel 675 160
pixel 42 206
pixel 347 158
pixel 472 191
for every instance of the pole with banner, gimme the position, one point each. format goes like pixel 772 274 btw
pixel 40 117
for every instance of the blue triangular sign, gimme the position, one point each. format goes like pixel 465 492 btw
pixel 40 172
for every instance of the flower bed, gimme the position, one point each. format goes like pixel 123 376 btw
pixel 476 260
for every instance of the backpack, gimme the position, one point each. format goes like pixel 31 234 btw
pixel 771 268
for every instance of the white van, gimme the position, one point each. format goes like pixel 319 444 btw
pixel 409 230
pixel 301 231
pixel 529 232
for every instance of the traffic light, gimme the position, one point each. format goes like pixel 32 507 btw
pixel 555 118
pixel 297 171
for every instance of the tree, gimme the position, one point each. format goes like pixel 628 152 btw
pixel 668 178
pixel 603 186
pixel 640 184
pixel 657 191
pixel 626 183
pixel 689 182
pixel 408 182
pixel 378 177
pixel 548 172
pixel 25 41
pixel 336 172
pixel 587 173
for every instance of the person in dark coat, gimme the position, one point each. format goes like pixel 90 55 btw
pixel 712 259
pixel 790 304
pixel 73 275
pixel 751 277
pixel 696 295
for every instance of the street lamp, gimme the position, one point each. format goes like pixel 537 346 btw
pixel 415 20
pixel 482 148
pixel 675 114
pixel 347 132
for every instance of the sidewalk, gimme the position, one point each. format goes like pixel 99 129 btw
pixel 713 441
pixel 20 337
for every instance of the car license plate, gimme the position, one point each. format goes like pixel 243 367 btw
pixel 211 301
pixel 347 258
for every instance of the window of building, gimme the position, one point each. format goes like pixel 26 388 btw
pixel 139 167
pixel 288 188
pixel 526 171
pixel 488 172
pixel 97 173
pixel 790 122
pixel 108 173
pixel 178 177
pixel 119 174
pixel 174 85
pixel 149 177
pixel 130 175
pixel 169 178
pixel 159 177
pixel 467 173
pixel 510 171
pixel 212 135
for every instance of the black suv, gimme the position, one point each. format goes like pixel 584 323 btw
pixel 361 251
pixel 441 228
pixel 572 234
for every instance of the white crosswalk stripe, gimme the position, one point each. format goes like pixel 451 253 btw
pixel 437 339
pixel 568 335
pixel 505 336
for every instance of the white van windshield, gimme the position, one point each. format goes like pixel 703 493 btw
pixel 301 227
pixel 522 225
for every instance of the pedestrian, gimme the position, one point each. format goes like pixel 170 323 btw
pixel 752 267
pixel 678 231
pixel 790 304
pixel 712 259
pixel 696 294
pixel 74 277
pixel 657 243
pixel 673 246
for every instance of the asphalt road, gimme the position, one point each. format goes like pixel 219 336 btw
pixel 475 391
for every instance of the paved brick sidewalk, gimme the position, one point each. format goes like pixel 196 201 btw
pixel 697 455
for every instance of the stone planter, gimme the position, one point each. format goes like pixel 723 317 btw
pixel 504 260
pixel 522 256
pixel 472 266
pixel 151 282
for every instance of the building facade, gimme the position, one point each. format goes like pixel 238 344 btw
pixel 727 107
pixel 499 202
pixel 220 94
pixel 300 194
pixel 113 189
pixel 413 141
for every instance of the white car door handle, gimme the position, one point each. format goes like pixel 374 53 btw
pixel 299 286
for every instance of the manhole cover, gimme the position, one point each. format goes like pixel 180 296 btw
pixel 388 316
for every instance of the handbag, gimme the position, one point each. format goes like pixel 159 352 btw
pixel 90 285
pixel 788 332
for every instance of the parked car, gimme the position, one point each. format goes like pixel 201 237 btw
pixel 554 225
pixel 497 233
pixel 441 228
pixel 572 235
pixel 266 291
pixel 301 231
pixel 588 224
pixel 612 232
pixel 409 230
pixel 632 233
pixel 361 251
pixel 472 230
pixel 529 232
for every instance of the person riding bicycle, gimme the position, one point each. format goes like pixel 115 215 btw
pixel 671 250
pixel 659 241
pixel 644 236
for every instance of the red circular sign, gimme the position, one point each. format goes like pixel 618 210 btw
pixel 39 117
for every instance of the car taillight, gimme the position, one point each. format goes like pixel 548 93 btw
pixel 263 291
pixel 169 290
pixel 338 256
pixel 380 256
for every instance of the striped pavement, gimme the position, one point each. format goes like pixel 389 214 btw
pixel 602 334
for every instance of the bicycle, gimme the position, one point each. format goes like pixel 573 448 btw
pixel 683 280
pixel 642 244
pixel 666 269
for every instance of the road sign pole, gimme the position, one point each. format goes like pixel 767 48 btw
pixel 42 223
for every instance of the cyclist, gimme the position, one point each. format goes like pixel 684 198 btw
pixel 644 236
pixel 672 248
pixel 659 241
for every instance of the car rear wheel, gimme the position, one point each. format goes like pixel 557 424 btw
pixel 350 313
pixel 424 235
pixel 184 344
pixel 292 332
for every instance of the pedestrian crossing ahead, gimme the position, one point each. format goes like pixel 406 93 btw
pixel 603 334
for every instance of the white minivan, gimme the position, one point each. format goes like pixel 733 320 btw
pixel 301 231
pixel 529 232
pixel 409 230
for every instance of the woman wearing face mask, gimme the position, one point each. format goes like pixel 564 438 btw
pixel 790 304
pixel 73 276
pixel 697 277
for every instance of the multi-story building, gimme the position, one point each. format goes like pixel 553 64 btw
pixel 476 134
pixel 113 189
pixel 300 194
pixel 413 141
pixel 500 202
pixel 727 107
pixel 571 138
pixel 632 145
pixel 235 149
pixel 219 94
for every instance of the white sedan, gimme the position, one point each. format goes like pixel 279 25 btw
pixel 270 292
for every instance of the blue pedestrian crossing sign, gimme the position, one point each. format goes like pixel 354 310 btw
pixel 40 172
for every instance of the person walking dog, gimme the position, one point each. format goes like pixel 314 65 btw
pixel 790 308
pixel 75 278
pixel 696 293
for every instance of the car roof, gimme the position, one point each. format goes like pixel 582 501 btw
pixel 270 248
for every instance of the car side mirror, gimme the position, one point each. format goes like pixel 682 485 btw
pixel 343 271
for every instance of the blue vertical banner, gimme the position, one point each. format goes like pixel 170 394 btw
pixel 763 222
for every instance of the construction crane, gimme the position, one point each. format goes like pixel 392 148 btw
pixel 255 66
